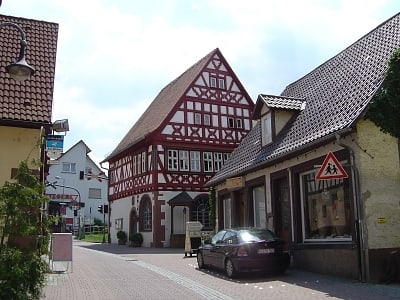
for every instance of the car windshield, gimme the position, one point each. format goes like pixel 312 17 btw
pixel 256 235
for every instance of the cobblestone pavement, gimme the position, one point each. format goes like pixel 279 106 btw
pixel 108 271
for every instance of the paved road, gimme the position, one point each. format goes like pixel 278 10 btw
pixel 107 271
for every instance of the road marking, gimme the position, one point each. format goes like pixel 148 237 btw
pixel 200 289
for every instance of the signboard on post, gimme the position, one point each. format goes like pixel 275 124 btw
pixel 331 169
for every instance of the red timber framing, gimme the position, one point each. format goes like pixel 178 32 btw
pixel 184 137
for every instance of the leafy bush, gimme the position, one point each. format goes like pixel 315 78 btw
pixel 24 236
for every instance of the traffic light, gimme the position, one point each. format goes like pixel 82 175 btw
pixel 100 209
pixel 105 208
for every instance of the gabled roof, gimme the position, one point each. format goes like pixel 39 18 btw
pixel 162 105
pixel 278 102
pixel 337 94
pixel 28 103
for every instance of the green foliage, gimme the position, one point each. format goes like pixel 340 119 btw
pixel 24 236
pixel 122 236
pixel 384 108
pixel 211 203
pixel 22 275
pixel 136 237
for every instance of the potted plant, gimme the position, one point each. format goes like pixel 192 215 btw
pixel 136 239
pixel 122 237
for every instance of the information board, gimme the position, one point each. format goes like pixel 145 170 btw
pixel 61 246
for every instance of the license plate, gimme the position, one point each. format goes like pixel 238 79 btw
pixel 266 251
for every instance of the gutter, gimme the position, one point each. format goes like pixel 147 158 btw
pixel 359 226
pixel 267 163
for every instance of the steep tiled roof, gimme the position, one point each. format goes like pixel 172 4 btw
pixel 337 94
pixel 28 102
pixel 161 106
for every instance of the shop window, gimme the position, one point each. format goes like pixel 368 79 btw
pixel 326 209
pixel 260 215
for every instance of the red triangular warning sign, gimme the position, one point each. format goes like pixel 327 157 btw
pixel 331 169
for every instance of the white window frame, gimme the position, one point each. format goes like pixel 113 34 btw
pixel 207 162
pixel 94 193
pixel 68 167
pixel 172 160
pixel 266 129
pixel 218 161
pixel 183 160
pixel 139 163
pixel 259 205
pixel 134 165
pixel 195 161
pixel 207 120
pixel 213 81
pixel 197 119
pixel 221 83
pixel 144 169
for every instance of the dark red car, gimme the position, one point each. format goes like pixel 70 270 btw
pixel 244 250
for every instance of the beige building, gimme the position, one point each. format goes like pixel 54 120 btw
pixel 26 106
pixel 317 171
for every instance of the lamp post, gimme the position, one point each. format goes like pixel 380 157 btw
pixel 20 70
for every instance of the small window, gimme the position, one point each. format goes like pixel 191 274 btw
pixel 94 193
pixel 207 162
pixel 213 82
pixel 221 83
pixel 207 120
pixel 195 161
pixel 139 165
pixel 134 166
pixel 69 167
pixel 197 119
pixel 266 131
pixel 231 123
pixel 184 160
pixel 239 123
pixel 144 169
pixel 218 161
pixel 173 160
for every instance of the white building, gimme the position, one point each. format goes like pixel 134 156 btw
pixel 75 179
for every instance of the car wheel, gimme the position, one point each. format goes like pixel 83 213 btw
pixel 230 269
pixel 200 260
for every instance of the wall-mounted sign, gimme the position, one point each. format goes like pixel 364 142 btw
pixel 331 169
pixel 55 142
pixel 235 182
pixel 381 220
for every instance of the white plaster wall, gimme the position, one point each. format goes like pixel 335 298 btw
pixel 378 159
pixel 120 209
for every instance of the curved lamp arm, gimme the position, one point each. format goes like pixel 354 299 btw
pixel 20 70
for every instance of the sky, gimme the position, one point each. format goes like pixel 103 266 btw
pixel 114 57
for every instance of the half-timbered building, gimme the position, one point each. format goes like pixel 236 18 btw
pixel 158 170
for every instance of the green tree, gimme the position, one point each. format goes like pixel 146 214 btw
pixel 384 109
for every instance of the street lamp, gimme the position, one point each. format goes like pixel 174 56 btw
pixel 20 70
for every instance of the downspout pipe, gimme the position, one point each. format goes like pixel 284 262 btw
pixel 359 226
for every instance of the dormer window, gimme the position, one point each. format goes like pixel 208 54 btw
pixel 266 131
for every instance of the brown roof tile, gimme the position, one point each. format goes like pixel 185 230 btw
pixel 161 106
pixel 337 94
pixel 41 52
